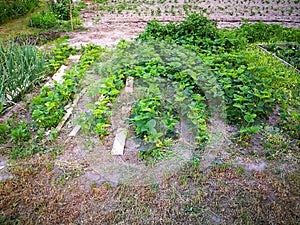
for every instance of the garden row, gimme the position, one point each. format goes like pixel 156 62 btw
pixel 231 9
pixel 208 66
pixel 46 110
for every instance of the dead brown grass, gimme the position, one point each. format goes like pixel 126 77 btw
pixel 218 195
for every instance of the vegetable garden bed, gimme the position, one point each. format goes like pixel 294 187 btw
pixel 288 53
pixel 240 107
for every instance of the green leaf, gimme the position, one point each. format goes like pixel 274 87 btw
pixel 250 117
pixel 237 105
pixel 151 124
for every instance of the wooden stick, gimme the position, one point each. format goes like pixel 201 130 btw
pixel 71 16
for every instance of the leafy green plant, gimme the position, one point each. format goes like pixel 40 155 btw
pixel 4 130
pixel 59 56
pixel 245 133
pixel 48 107
pixel 248 98
pixel 20 133
pixel 22 138
pixel 44 19
pixel 154 121
pixel 61 8
pixel 102 111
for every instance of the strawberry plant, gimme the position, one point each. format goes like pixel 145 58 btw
pixel 102 112
pixel 154 121
pixel 288 52
pixel 248 99
pixel 48 107
pixel 59 56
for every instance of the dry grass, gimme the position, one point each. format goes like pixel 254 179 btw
pixel 220 194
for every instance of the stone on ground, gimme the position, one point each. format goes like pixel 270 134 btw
pixel 129 85
pixel 74 131
pixel 119 143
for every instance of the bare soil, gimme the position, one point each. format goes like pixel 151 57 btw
pixel 107 28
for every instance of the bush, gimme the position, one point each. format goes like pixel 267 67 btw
pixel 16 8
pixel 62 9
pixel 261 32
pixel 196 31
pixel 194 27
pixel 45 19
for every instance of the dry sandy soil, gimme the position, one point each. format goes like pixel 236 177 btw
pixel 107 28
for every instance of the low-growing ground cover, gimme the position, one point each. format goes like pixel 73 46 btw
pixel 288 52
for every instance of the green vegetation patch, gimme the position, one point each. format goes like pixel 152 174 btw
pixel 223 69
pixel 288 52
pixel 48 107
pixel 16 8
pixel 21 67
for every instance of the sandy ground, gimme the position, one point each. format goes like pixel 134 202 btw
pixel 108 28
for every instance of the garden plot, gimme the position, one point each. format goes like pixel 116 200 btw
pixel 239 106
pixel 112 21
pixel 95 158
pixel 222 10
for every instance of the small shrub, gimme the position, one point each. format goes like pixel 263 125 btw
pixel 62 9
pixel 45 19
pixel 14 9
